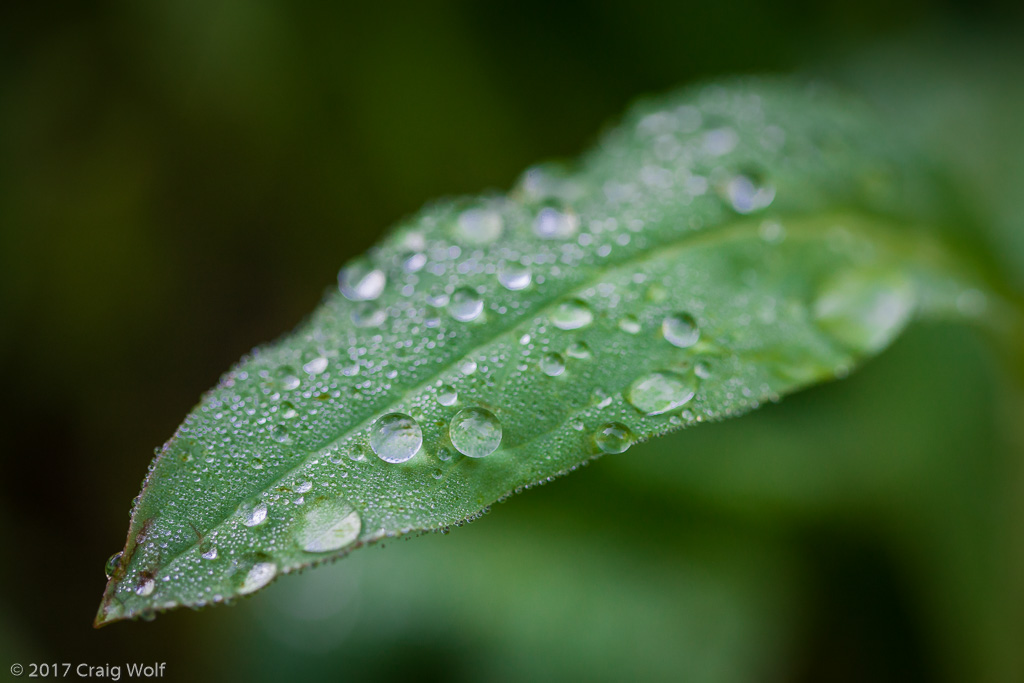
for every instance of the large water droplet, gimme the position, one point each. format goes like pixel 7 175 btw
pixel 465 305
pixel 360 281
pixel 660 392
pixel 395 437
pixel 330 526
pixel 475 432
pixel 680 329
pixel 145 587
pixel 447 395
pixel 256 516
pixel 552 364
pixel 552 224
pixel 479 226
pixel 258 576
pixel 515 276
pixel 316 366
pixel 748 194
pixel 864 309
pixel 571 315
pixel 613 437
pixel 113 564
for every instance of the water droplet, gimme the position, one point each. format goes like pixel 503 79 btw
pixel 286 377
pixel 864 309
pixel 330 526
pixel 660 392
pixel 145 587
pixel 447 395
pixel 578 350
pixel 571 315
pixel 629 324
pixel 356 453
pixel 113 564
pixel 465 305
pixel 280 434
pixel 515 276
pixel 316 366
pixel 396 437
pixel 368 314
pixel 552 364
pixel 467 367
pixel 413 263
pixel 288 410
pixel 613 437
pixel 258 576
pixel 444 454
pixel 209 553
pixel 702 369
pixel 680 329
pixel 475 432
pixel 303 486
pixel 360 281
pixel 747 194
pixel 479 226
pixel 552 224
pixel 256 516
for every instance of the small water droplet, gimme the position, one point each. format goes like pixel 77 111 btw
pixel 316 366
pixel 515 276
pixel 413 263
pixel 747 194
pixel 258 576
pixel 467 367
pixel 475 432
pixel 145 587
pixel 629 324
pixel 280 434
pixel 360 281
pixel 552 224
pixel 660 392
pixel 572 314
pixel 680 329
pixel 356 453
pixel 288 410
pixel 479 226
pixel 368 314
pixel 396 437
pixel 447 395
pixel 552 364
pixel 113 564
pixel 613 437
pixel 578 350
pixel 256 516
pixel 465 305
pixel 303 486
pixel 436 473
pixel 329 526
pixel 444 454
pixel 208 552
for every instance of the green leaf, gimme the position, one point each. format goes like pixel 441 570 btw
pixel 720 248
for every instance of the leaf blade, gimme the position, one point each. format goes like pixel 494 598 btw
pixel 668 281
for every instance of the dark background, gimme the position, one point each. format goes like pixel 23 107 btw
pixel 180 181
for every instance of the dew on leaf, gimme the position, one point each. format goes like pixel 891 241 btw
pixel 113 564
pixel 552 364
pixel 552 224
pixel 680 329
pixel 475 432
pixel 515 276
pixel 257 576
pixel 572 314
pixel 747 194
pixel 479 226
pixel 447 395
pixel 395 437
pixel 368 314
pixel 145 587
pixel 465 305
pixel 613 437
pixel 329 526
pixel 660 392
pixel 864 309
pixel 256 516
pixel 359 281
pixel 629 324
pixel 578 350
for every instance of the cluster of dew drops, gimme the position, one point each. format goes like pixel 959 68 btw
pixel 553 226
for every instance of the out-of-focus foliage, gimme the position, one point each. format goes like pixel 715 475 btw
pixel 177 181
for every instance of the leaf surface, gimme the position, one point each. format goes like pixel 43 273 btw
pixel 718 249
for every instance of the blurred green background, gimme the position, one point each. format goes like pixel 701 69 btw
pixel 180 181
